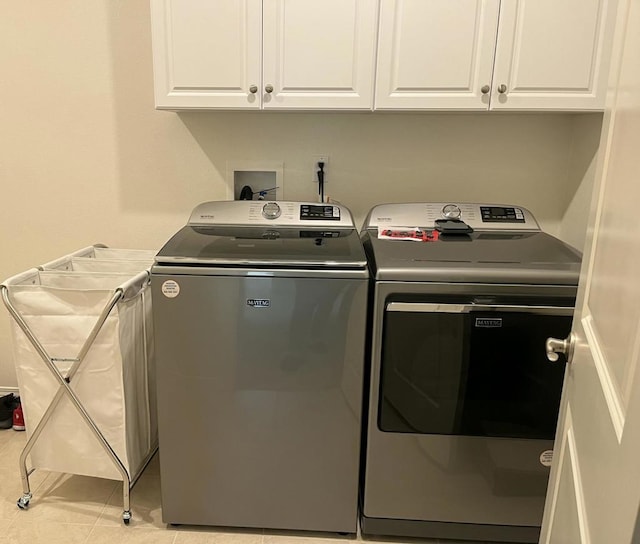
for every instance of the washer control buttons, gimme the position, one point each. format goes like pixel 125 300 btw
pixel 320 212
pixel 271 210
pixel 451 211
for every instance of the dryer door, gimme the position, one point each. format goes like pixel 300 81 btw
pixel 470 369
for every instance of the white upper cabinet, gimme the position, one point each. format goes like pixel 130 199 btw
pixel 436 54
pixel 552 54
pixel 493 54
pixel 319 53
pixel 288 54
pixel 206 54
pixel 431 54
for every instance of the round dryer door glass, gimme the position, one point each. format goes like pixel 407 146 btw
pixel 271 210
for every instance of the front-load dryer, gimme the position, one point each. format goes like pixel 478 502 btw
pixel 463 402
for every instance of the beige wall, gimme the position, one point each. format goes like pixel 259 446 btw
pixel 85 158
pixel 581 175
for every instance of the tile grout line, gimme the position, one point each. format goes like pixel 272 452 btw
pixel 96 521
pixel 104 507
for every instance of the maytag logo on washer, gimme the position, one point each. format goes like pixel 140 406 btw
pixel 489 322
pixel 258 302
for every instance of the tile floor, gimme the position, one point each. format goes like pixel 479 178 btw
pixel 71 509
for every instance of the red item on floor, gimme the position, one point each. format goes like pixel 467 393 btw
pixel 18 419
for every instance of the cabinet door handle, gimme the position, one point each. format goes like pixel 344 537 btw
pixel 253 89
pixel 485 89
pixel 502 89
pixel 269 89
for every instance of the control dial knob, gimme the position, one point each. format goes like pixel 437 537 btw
pixel 451 211
pixel 271 210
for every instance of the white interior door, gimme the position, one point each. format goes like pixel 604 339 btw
pixel 594 492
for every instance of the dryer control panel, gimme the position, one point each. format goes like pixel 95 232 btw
pixel 477 216
pixel 499 214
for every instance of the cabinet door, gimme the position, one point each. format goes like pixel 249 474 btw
pixel 206 54
pixel 436 54
pixel 319 54
pixel 552 54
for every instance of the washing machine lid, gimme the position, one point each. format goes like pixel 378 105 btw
pixel 267 234
pixel 265 247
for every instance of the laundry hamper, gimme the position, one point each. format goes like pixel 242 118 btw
pixel 82 350
pixel 99 258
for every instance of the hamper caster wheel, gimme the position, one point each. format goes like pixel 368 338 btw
pixel 23 502
pixel 126 517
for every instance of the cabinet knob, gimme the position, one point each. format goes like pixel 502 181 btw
pixel 253 89
pixel 269 89
pixel 502 89
pixel 485 89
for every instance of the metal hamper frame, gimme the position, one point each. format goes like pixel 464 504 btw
pixel 65 389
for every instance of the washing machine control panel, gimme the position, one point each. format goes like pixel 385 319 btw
pixel 312 212
pixel 271 210
pixel 477 216
pixel 280 213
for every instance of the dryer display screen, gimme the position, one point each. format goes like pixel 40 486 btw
pixel 493 214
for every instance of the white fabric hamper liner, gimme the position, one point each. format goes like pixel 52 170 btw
pixel 61 303
pixel 131 261
pixel 104 259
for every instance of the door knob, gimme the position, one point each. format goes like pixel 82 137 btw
pixel 554 347
pixel 269 89
pixel 253 89
pixel 502 89
pixel 485 89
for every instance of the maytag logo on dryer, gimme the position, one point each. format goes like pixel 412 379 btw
pixel 259 302
pixel 489 322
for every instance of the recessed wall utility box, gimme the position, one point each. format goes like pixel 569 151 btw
pixel 255 178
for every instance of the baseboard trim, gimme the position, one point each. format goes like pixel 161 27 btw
pixel 5 390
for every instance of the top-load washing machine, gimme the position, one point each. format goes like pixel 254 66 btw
pixel 463 401
pixel 260 317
